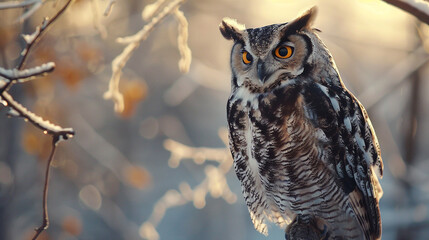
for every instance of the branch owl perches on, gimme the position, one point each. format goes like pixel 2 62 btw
pixel 303 145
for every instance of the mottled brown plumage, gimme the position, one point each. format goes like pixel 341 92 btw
pixel 302 144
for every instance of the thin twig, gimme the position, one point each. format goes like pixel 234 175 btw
pixel 17 75
pixel 214 184
pixel 32 39
pixel 182 42
pixel 45 222
pixel 17 4
pixel 21 75
pixel 418 8
pixel 132 43
pixel 109 8
pixel 17 110
pixel 150 9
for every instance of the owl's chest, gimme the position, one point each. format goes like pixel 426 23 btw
pixel 272 148
pixel 263 133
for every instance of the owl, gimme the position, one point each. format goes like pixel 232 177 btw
pixel 303 145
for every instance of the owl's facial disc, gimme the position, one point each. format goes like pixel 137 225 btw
pixel 276 62
pixel 264 57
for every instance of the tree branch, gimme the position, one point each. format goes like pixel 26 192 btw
pixel 33 38
pixel 22 75
pixel 214 183
pixel 8 77
pixel 15 75
pixel 418 8
pixel 182 42
pixel 17 4
pixel 109 8
pixel 132 43
pixel 45 222
pixel 17 110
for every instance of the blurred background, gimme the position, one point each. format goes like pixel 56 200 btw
pixel 161 169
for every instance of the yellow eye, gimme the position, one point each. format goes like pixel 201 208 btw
pixel 283 52
pixel 247 58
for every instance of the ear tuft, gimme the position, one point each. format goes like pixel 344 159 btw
pixel 230 29
pixel 304 21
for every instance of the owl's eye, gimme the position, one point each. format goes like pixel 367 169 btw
pixel 283 52
pixel 247 58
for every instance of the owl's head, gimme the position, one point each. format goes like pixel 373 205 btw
pixel 266 56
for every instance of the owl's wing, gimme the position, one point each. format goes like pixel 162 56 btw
pixel 352 152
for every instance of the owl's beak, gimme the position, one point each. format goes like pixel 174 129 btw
pixel 262 71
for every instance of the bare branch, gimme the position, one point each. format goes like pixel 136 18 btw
pixel 47 127
pixel 150 9
pixel 33 38
pixel 418 8
pixel 214 183
pixel 199 155
pixel 23 75
pixel 109 8
pixel 132 43
pixel 15 75
pixel 45 222
pixel 17 4
pixel 182 42
pixel 10 76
